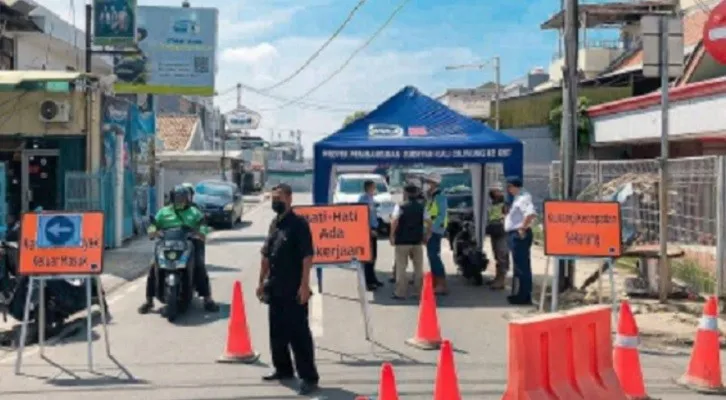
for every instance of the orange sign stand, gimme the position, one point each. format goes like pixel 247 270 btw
pixel 341 235
pixel 62 246
pixel 61 243
pixel 582 229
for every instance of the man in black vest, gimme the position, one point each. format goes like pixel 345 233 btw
pixel 410 230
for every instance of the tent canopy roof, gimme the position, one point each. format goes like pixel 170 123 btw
pixel 412 120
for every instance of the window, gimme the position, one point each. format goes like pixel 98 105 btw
pixel 355 185
pixel 7 53
pixel 214 190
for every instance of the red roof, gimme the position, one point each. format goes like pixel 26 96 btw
pixel 691 91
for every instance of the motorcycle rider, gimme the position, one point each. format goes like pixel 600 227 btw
pixel 181 213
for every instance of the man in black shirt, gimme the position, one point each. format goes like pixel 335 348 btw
pixel 410 230
pixel 287 258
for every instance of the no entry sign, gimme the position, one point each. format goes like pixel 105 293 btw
pixel 714 33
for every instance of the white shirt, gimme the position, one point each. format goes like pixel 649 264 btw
pixel 522 207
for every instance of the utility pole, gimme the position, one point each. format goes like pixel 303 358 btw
pixel 239 96
pixel 568 136
pixel 494 62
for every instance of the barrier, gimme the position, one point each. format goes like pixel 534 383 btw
pixel 564 356
pixel 703 374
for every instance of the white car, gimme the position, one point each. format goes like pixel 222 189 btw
pixel 349 188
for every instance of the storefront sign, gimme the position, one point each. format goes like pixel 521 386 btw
pixel 242 119
pixel 178 53
pixel 714 33
pixel 114 22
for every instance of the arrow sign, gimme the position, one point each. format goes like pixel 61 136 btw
pixel 59 230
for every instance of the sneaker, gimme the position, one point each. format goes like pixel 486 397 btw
pixel 146 307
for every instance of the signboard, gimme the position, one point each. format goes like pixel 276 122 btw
pixel 463 154
pixel 114 22
pixel 341 233
pixel 650 26
pixel 177 53
pixel 384 131
pixel 582 229
pixel 242 119
pixel 54 243
pixel 714 33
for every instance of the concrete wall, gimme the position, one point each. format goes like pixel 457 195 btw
pixel 539 148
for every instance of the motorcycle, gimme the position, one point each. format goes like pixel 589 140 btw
pixel 63 297
pixel 174 264
pixel 470 259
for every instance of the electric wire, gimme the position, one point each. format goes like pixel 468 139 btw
pixel 319 50
pixel 352 56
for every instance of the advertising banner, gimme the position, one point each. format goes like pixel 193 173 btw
pixel 114 22
pixel 177 53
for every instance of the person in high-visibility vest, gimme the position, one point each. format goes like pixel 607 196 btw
pixel 497 236
pixel 436 208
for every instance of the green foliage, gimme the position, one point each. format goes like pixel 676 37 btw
pixel 354 117
pixel 584 125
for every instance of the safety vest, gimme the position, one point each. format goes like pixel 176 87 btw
pixel 496 212
pixel 433 210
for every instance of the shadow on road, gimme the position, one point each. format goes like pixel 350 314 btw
pixel 237 239
pixel 220 268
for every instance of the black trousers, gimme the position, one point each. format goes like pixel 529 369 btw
pixel 201 276
pixel 290 330
pixel 369 268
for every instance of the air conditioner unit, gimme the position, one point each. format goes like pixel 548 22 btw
pixel 55 111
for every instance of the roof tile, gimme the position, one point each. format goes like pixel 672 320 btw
pixel 175 130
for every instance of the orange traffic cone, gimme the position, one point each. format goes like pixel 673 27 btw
pixel 447 384
pixel 626 359
pixel 239 347
pixel 428 334
pixel 387 386
pixel 704 370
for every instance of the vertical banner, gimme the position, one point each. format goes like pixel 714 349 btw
pixel 114 23
pixel 177 53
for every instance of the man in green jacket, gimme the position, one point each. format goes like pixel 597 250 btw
pixel 178 214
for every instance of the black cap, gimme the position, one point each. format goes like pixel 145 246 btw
pixel 516 182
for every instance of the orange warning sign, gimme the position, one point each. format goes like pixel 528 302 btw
pixel 582 228
pixel 341 233
pixel 61 243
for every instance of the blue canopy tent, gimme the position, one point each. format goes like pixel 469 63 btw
pixel 412 128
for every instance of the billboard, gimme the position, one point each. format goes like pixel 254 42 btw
pixel 114 22
pixel 177 52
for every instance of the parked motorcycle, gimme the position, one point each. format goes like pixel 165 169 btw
pixel 63 297
pixel 470 259
pixel 174 264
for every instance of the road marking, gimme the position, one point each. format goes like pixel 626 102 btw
pixel 316 313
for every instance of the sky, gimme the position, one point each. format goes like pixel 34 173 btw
pixel 262 41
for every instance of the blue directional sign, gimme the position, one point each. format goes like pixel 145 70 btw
pixel 59 230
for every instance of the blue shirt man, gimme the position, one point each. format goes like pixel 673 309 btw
pixel 369 197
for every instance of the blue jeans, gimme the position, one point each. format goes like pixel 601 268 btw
pixel 521 258
pixel 433 251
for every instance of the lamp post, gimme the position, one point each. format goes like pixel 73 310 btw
pixel 495 63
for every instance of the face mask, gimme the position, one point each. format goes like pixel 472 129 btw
pixel 278 206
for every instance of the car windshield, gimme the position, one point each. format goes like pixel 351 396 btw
pixel 355 185
pixel 450 180
pixel 463 200
pixel 214 190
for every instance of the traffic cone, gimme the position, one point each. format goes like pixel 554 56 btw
pixel 387 386
pixel 447 384
pixel 626 358
pixel 428 334
pixel 239 347
pixel 704 370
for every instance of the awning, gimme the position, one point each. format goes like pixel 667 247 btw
pixel 14 78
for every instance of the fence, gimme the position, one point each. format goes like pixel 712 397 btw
pixel 692 204
pixel 93 192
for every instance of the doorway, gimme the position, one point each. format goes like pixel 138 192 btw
pixel 40 179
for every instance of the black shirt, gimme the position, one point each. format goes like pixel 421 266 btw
pixel 288 242
pixel 410 227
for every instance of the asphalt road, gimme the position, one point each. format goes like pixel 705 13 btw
pixel 178 361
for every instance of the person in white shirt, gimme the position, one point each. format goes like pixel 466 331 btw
pixel 518 225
